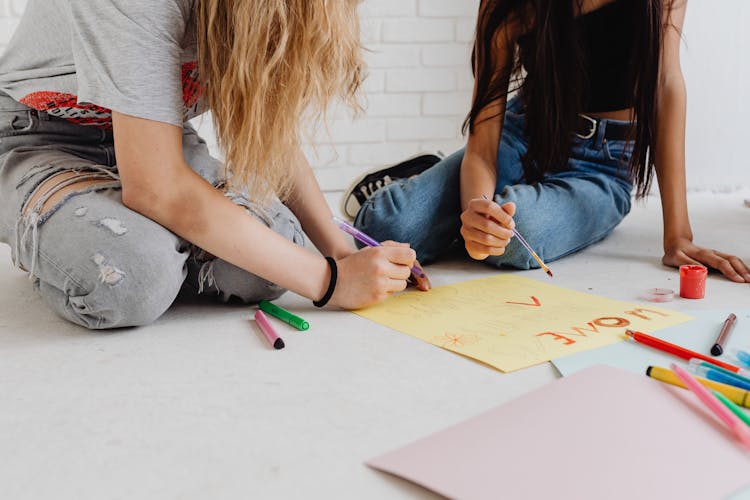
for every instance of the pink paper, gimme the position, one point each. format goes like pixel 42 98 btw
pixel 601 433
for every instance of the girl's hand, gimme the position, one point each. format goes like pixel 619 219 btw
pixel 486 227
pixel 683 251
pixel 372 274
pixel 343 251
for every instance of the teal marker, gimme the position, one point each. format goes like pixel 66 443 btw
pixel 733 407
pixel 718 374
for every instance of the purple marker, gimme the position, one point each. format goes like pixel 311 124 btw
pixel 421 278
pixel 356 233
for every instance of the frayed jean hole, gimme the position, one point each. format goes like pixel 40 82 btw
pixel 108 273
pixel 43 194
pixel 113 225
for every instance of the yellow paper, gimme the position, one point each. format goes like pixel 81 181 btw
pixel 510 322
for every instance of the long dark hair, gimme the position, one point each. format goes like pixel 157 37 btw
pixel 555 88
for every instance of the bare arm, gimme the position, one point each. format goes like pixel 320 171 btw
pixel 670 161
pixel 310 207
pixel 486 226
pixel 479 165
pixel 158 184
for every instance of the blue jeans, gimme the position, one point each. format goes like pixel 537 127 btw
pixel 564 213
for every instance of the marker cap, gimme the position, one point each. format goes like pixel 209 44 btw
pixel 741 356
pixel 697 366
pixel 659 295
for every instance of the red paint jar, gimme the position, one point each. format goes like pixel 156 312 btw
pixel 693 282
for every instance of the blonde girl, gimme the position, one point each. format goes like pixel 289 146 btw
pixel 110 199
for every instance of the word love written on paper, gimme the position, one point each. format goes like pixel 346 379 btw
pixel 592 327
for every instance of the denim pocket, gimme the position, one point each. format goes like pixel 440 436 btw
pixel 16 122
pixel 21 122
pixel 619 151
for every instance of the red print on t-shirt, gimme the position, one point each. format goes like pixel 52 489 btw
pixel 190 85
pixel 66 106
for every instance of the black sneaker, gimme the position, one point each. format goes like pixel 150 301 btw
pixel 366 185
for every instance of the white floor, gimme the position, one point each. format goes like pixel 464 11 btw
pixel 198 406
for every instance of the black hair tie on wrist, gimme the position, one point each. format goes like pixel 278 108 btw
pixel 331 285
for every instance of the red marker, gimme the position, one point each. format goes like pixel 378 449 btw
pixel 676 350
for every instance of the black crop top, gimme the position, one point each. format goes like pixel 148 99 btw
pixel 606 37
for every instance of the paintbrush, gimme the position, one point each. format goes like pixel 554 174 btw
pixel 529 249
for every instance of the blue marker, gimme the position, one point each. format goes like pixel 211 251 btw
pixel 718 374
pixel 742 357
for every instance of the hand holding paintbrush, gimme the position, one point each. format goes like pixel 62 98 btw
pixel 486 228
pixel 520 238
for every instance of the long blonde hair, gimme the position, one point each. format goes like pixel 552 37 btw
pixel 268 68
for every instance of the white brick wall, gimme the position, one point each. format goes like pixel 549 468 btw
pixel 418 89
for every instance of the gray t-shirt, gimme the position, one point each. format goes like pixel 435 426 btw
pixel 80 59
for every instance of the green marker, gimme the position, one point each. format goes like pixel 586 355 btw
pixel 284 315
pixel 732 406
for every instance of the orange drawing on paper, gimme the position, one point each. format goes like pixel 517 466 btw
pixel 455 340
pixel 536 302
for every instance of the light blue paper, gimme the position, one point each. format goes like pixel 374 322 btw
pixel 698 335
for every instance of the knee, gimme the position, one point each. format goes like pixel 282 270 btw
pixel 516 256
pixel 126 294
pixel 254 290
pixel 230 282
pixel 381 216
pixel 286 224
pixel 409 208
pixel 275 215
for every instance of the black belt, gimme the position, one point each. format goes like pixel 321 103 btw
pixel 588 126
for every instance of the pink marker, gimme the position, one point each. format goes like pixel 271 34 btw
pixel 740 429
pixel 265 327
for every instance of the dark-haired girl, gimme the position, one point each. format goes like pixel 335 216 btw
pixel 600 106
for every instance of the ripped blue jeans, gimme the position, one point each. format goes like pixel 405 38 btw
pixel 91 259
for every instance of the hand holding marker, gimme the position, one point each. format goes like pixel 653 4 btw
pixel 417 273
